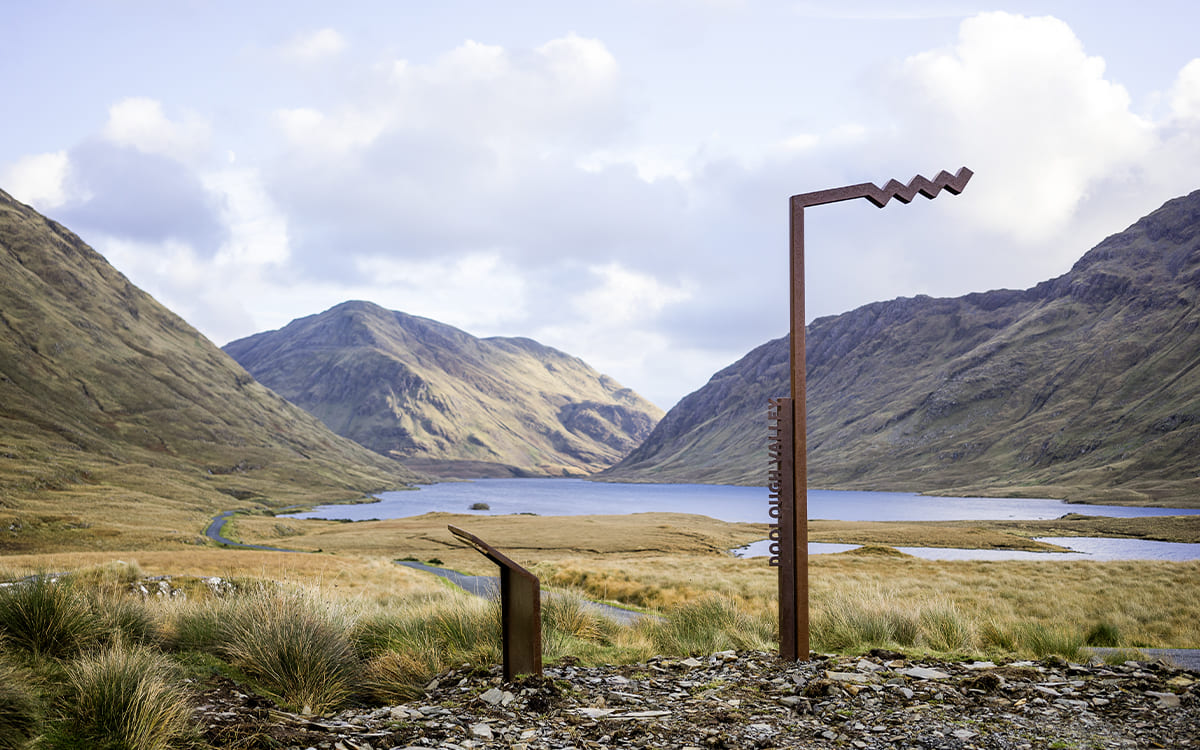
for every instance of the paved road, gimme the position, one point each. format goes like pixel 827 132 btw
pixel 489 586
pixel 217 525
pixel 1188 658
pixel 486 586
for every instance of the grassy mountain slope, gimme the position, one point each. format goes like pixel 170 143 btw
pixel 1085 386
pixel 119 423
pixel 444 401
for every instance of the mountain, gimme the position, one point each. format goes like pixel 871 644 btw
pixel 446 402
pixel 120 422
pixel 1085 386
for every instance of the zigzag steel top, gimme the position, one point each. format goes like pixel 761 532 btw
pixel 953 184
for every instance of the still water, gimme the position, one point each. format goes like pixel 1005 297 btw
pixel 576 497
pixel 571 497
pixel 1082 548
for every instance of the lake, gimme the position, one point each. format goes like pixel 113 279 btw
pixel 576 497
pixel 572 497
pixel 1082 548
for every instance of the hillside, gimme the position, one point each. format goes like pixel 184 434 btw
pixel 121 424
pixel 446 402
pixel 1084 386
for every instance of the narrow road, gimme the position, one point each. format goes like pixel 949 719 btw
pixel 485 586
pixel 1187 658
pixel 489 586
pixel 217 525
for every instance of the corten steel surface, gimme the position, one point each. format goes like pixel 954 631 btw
pixel 783 533
pixel 520 610
pixel 793 642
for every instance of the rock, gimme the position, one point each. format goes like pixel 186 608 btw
pixel 848 677
pixel 980 665
pixel 494 696
pixel 754 700
pixel 1165 700
pixel 924 673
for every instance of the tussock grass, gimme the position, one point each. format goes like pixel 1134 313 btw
pixel 295 645
pixel 47 618
pixel 713 623
pixel 20 707
pixel 1043 640
pixel 122 618
pixel 566 618
pixel 863 618
pixel 406 647
pixel 946 628
pixel 941 606
pixel 1104 635
pixel 122 698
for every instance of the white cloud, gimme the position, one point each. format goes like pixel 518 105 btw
pixel 515 190
pixel 38 179
pixel 315 46
pixel 626 296
pixel 556 95
pixel 1019 101
pixel 478 292
pixel 1185 94
pixel 484 148
pixel 312 131
pixel 140 123
pixel 258 234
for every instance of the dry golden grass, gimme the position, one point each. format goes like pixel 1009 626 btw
pixel 531 539
pixel 526 539
pixel 1016 535
pixel 1152 603
pixel 969 535
pixel 374 579
pixel 659 561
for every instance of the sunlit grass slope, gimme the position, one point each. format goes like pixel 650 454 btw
pixel 120 424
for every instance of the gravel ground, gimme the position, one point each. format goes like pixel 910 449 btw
pixel 753 700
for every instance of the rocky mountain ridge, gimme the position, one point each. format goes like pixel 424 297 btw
pixel 1083 386
pixel 445 402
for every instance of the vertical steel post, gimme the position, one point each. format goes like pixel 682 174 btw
pixel 792 535
pixel 798 640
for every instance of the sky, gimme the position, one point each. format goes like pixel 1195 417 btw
pixel 610 179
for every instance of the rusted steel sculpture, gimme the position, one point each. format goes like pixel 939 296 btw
pixel 520 610
pixel 788 479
